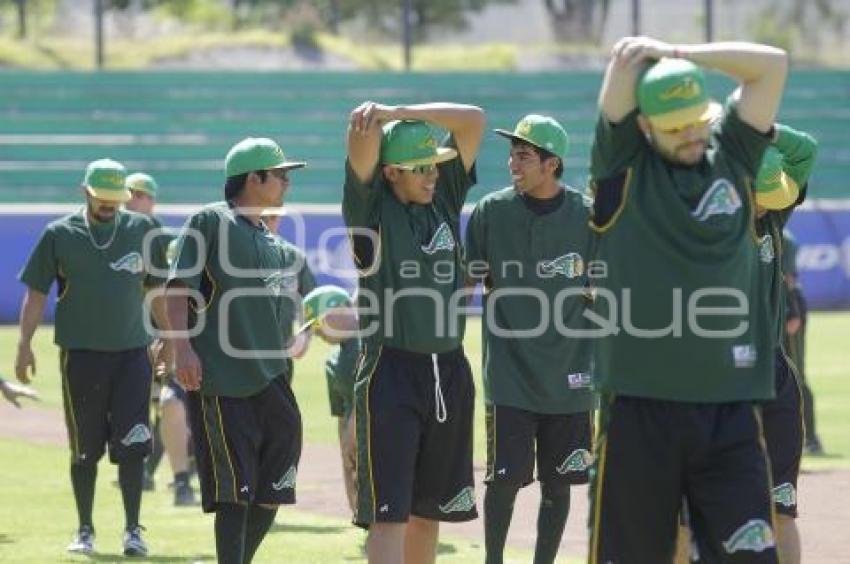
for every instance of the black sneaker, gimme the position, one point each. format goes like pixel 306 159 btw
pixel 83 542
pixel 183 494
pixel 134 545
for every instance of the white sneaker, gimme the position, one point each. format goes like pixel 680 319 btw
pixel 133 543
pixel 83 542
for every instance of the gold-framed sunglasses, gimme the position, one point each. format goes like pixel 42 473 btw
pixel 418 169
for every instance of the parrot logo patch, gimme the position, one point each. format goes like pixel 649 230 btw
pixel 685 90
pixel 139 434
pixel 441 241
pixel 131 262
pixel 464 501
pixel 755 535
pixel 287 481
pixel 579 460
pixel 570 265
pixel 766 253
pixel 785 494
pixel 277 283
pixel 720 199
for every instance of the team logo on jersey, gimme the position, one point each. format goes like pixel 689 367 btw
pixel 464 501
pixel 443 240
pixel 766 253
pixel 744 356
pixel 278 283
pixel 755 535
pixel 685 90
pixel 720 199
pixel 287 481
pixel 785 494
pixel 131 262
pixel 138 434
pixel 570 265
pixel 579 380
pixel 579 460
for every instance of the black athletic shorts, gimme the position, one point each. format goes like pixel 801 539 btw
pixel 650 454
pixel 783 435
pixel 247 449
pixel 414 438
pixel 106 396
pixel 561 443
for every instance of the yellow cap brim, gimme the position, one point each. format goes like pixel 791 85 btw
pixel 707 112
pixel 781 197
pixel 442 155
pixel 118 196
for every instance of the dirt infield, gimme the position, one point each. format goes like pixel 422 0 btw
pixel 825 512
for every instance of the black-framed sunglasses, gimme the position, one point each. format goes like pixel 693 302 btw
pixel 279 173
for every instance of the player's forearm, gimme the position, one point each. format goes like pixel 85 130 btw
pixel 32 311
pixel 456 118
pixel 746 62
pixel 177 316
pixel 617 96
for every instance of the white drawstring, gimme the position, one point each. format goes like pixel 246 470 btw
pixel 439 402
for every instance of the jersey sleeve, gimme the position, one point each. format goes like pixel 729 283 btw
pixel 739 140
pixel 476 240
pixel 157 261
pixel 41 268
pixel 615 146
pixel 194 244
pixel 454 181
pixel 361 201
pixel 789 254
pixel 306 279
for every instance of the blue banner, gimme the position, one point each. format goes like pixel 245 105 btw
pixel 822 230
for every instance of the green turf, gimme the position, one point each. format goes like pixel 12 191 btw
pixel 42 522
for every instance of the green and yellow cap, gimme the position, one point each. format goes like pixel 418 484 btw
pixel 320 301
pixel 408 143
pixel 256 153
pixel 141 182
pixel 543 132
pixel 105 179
pixel 672 94
pixel 775 190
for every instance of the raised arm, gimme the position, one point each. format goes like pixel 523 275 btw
pixel 466 123
pixel 760 70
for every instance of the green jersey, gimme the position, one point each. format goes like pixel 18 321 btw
pixel 681 294
pixel 341 368
pixel 294 260
pixel 410 261
pixel 531 256
pixel 101 270
pixel 247 281
pixel 798 151
pixel 789 253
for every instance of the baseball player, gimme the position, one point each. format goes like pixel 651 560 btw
pixel 13 392
pixel 686 353
pixel 414 396
pixel 171 425
pixel 537 390
pixel 96 256
pixel 230 350
pixel 329 313
pixel 780 186
pixel 795 339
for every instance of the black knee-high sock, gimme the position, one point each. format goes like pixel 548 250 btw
pixel 259 522
pixel 230 521
pixel 498 509
pixel 551 519
pixel 83 478
pixel 130 475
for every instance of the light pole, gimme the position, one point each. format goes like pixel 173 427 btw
pixel 98 33
pixel 407 34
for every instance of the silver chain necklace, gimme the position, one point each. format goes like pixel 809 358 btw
pixel 91 235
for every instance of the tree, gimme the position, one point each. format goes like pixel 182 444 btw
pixel 578 20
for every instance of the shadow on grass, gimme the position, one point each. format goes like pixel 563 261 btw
pixel 314 529
pixel 6 539
pixel 119 557
pixel 442 548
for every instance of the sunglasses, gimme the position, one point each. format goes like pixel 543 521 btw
pixel 419 169
pixel 279 173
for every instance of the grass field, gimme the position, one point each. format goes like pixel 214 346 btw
pixel 37 516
